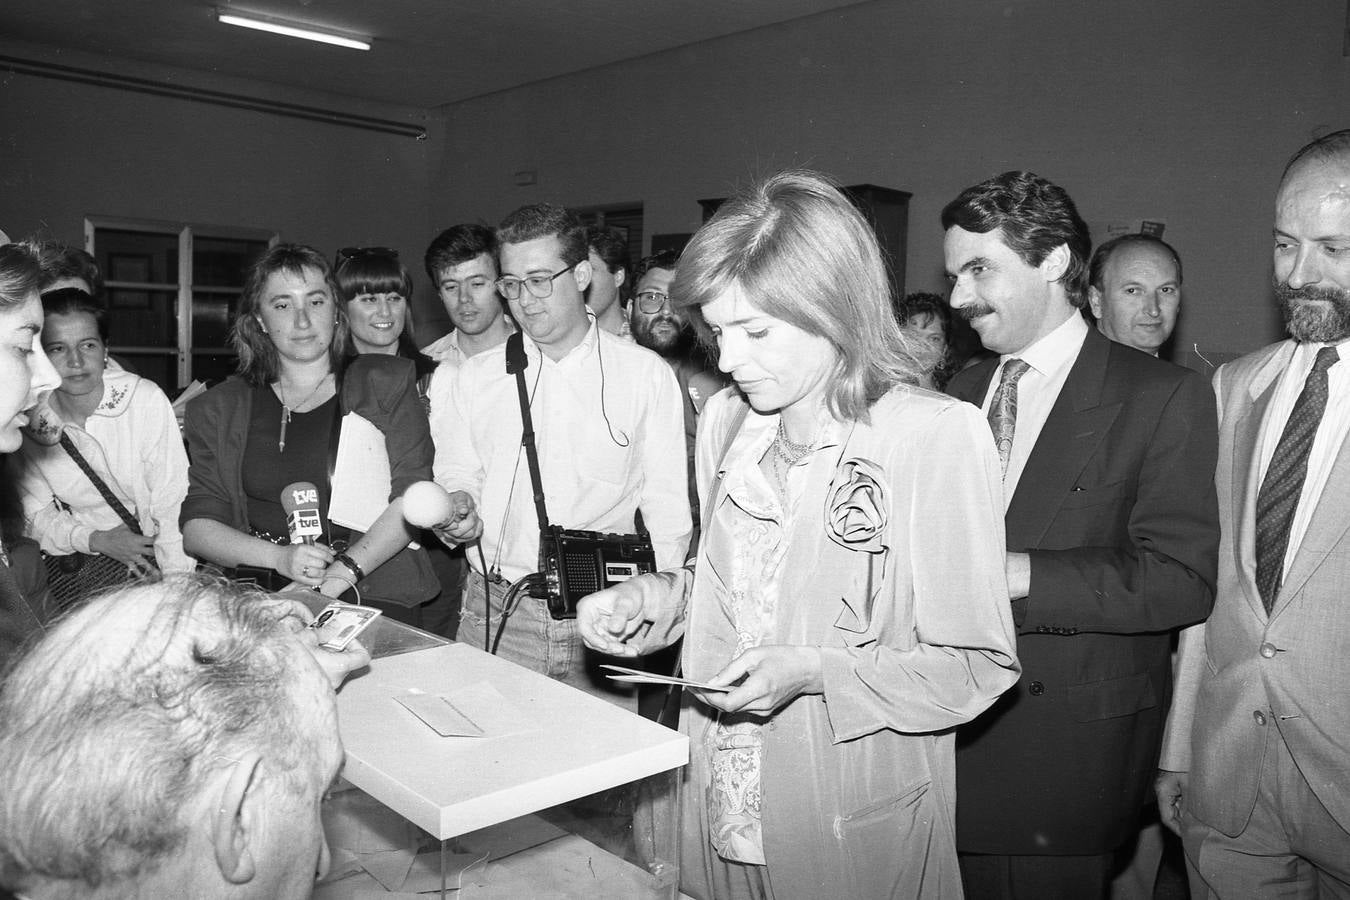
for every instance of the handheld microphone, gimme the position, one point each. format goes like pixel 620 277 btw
pixel 300 502
pixel 426 504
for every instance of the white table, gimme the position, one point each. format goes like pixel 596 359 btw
pixel 575 746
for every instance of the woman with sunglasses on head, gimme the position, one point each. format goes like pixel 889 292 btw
pixel 277 422
pixel 848 606
pixel 376 289
pixel 104 468
pixel 25 374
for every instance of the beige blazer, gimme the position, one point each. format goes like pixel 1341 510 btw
pixel 1243 672
pixel 858 781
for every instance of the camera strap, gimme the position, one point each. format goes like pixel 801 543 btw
pixel 516 363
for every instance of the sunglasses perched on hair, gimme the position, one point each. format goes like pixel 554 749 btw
pixel 351 253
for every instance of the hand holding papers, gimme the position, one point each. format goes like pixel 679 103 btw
pixel 637 676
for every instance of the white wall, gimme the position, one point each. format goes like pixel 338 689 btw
pixel 1181 110
pixel 71 150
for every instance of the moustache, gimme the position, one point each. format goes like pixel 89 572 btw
pixel 1290 295
pixel 971 313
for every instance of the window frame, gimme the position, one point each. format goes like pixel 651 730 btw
pixel 187 233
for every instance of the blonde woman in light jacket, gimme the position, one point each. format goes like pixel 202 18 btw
pixel 850 586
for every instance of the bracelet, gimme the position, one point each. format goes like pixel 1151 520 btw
pixel 351 565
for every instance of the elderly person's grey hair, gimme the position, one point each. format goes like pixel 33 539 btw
pixel 112 724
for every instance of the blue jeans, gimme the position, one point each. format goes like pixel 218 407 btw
pixel 534 639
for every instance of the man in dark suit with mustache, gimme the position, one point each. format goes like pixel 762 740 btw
pixel 1112 531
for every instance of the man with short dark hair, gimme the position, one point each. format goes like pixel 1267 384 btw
pixel 1255 761
pixel 1134 291
pixel 462 265
pixel 170 740
pixel 608 255
pixel 1111 534
pixel 608 428
pixel 662 327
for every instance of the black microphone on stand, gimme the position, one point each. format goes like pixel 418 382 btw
pixel 300 502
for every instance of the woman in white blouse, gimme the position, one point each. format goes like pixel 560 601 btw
pixel 124 427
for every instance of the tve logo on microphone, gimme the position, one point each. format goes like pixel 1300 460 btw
pixel 300 502
pixel 304 496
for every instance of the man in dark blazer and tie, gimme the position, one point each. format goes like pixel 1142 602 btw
pixel 1257 758
pixel 1112 529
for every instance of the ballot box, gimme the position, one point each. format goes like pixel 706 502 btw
pixel 475 777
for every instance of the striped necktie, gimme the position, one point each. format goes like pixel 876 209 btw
pixel 1278 498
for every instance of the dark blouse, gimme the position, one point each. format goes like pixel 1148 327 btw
pixel 267 470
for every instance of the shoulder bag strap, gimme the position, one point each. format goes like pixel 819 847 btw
pixel 334 438
pixel 69 446
pixel 516 362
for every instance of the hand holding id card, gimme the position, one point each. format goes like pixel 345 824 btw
pixel 340 623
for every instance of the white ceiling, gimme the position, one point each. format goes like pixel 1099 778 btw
pixel 426 52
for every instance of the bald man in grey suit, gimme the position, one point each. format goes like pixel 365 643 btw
pixel 1256 758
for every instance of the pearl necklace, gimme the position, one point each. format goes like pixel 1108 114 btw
pixel 287 409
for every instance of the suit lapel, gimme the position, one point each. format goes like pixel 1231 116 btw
pixel 1246 473
pixel 973 385
pixel 1329 522
pixel 1077 423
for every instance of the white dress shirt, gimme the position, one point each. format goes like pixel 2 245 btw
pixel 1330 433
pixel 1050 360
pixel 609 428
pixel 446 350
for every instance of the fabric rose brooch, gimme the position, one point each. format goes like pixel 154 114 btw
pixel 855 508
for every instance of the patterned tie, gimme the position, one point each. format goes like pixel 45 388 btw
pixel 1003 408
pixel 1278 497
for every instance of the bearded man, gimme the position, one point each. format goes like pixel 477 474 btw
pixel 660 326
pixel 1258 740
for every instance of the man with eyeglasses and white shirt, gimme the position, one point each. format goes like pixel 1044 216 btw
pixel 609 431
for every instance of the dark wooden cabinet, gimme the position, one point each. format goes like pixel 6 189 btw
pixel 888 212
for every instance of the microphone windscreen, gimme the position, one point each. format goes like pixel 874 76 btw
pixel 300 502
pixel 425 504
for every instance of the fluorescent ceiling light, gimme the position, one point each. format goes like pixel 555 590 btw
pixel 276 26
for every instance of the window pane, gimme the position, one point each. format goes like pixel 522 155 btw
pixel 137 256
pixel 213 367
pixel 223 262
pixel 142 318
pixel 212 316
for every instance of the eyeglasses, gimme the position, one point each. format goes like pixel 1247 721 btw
pixel 349 253
pixel 539 286
pixel 651 302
